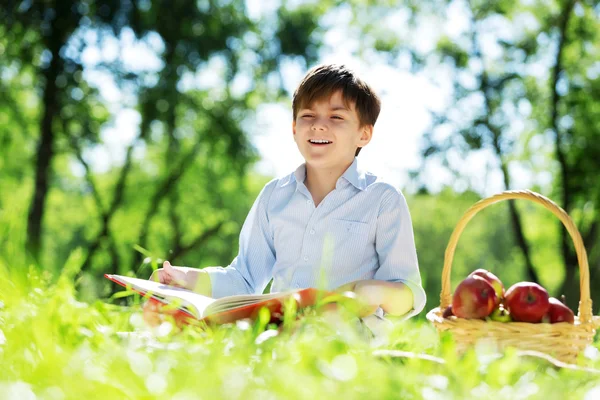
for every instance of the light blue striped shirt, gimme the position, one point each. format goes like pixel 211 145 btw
pixel 360 230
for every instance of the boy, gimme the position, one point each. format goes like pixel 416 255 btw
pixel 329 221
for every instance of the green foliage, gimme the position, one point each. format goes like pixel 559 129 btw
pixel 53 346
pixel 183 188
pixel 296 32
pixel 182 185
pixel 447 48
pixel 525 96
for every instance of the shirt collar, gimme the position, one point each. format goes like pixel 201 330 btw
pixel 354 175
pixel 299 174
pixel 296 176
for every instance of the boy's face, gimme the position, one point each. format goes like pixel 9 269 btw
pixel 328 132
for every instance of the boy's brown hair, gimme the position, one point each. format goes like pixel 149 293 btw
pixel 324 80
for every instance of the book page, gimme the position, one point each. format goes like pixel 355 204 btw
pixel 231 302
pixel 194 302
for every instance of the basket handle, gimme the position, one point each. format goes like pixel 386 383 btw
pixel 585 302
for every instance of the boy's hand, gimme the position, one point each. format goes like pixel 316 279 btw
pixel 154 311
pixel 355 300
pixel 183 277
pixel 169 275
pixel 370 294
pixel 395 298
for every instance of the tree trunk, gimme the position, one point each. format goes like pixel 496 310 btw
pixel 517 227
pixel 569 257
pixel 515 218
pixel 485 86
pixel 45 151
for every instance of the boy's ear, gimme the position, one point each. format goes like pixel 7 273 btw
pixel 366 135
pixel 294 127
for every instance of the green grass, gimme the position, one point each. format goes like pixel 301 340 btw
pixel 53 346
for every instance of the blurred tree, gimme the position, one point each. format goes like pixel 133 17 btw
pixel 35 42
pixel 484 90
pixel 182 183
pixel 573 92
pixel 525 80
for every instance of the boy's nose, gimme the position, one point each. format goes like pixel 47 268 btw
pixel 318 125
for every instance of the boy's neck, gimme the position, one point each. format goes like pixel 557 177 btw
pixel 321 181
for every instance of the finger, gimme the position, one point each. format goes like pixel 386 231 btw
pixel 168 273
pixel 176 277
pixel 163 277
pixel 166 277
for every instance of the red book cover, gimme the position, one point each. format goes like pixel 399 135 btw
pixel 187 307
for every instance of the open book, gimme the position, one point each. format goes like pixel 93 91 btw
pixel 195 306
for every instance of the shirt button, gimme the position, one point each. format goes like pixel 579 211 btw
pixel 312 231
pixel 308 202
pixel 305 258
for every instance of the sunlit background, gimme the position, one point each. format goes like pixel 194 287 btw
pixel 137 131
pixel 407 96
pixel 140 130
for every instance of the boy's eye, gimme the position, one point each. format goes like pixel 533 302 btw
pixel 306 116
pixel 336 117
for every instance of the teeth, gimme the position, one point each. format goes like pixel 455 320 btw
pixel 319 141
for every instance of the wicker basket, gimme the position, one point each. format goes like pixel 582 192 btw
pixel 563 341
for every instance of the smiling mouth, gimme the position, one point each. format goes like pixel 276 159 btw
pixel 319 142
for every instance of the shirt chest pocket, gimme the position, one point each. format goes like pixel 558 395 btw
pixel 349 240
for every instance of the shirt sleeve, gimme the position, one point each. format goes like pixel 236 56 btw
pixel 395 246
pixel 251 270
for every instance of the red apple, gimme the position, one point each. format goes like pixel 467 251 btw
pixel 558 312
pixel 492 280
pixel 527 302
pixel 473 298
